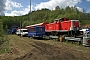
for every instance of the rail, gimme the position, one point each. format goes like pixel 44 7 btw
pixel 73 39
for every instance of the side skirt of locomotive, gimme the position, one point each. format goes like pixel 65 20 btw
pixel 58 33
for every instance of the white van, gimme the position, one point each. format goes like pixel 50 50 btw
pixel 22 32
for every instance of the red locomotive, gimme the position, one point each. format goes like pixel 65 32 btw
pixel 60 26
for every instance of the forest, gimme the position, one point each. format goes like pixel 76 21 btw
pixel 45 15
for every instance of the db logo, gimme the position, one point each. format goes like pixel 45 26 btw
pixel 88 41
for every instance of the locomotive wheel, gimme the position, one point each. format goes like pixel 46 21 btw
pixel 55 33
pixel 47 34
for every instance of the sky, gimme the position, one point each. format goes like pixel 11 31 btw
pixel 22 7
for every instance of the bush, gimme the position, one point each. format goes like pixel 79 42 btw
pixel 4 44
pixel 1 33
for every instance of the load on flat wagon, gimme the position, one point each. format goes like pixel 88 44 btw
pixel 12 30
pixel 22 32
pixel 61 26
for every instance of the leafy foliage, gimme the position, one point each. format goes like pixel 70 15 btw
pixel 45 15
pixel 1 33
pixel 4 43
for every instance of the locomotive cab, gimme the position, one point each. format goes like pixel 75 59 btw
pixel 75 25
pixel 60 20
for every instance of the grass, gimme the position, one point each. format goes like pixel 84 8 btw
pixel 5 46
pixel 77 46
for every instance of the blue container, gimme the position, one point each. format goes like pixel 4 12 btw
pixel 13 30
pixel 89 30
pixel 37 31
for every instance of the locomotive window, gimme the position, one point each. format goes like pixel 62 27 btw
pixel 32 29
pixel 55 20
pixel 40 29
pixel 61 20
